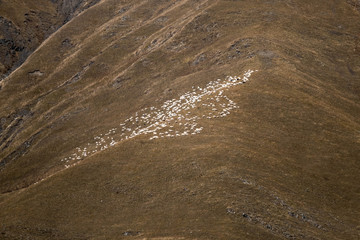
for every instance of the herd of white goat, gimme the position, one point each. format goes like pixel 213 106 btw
pixel 175 118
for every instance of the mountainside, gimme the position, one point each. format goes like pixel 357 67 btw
pixel 192 119
pixel 24 25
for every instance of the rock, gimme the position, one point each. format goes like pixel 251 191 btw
pixel 199 59
pixel 36 73
pixel 119 81
pixel 66 43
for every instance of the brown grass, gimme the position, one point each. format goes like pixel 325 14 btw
pixel 283 165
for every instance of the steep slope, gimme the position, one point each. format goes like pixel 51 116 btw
pixel 24 25
pixel 123 123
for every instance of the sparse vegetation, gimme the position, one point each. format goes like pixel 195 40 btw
pixel 282 165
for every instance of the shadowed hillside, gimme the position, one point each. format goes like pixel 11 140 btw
pixel 183 120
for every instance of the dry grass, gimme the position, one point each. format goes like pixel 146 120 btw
pixel 283 165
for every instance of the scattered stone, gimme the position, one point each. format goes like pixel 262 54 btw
pixel 119 81
pixel 78 75
pixel 124 9
pixel 161 19
pixel 199 59
pixel 66 43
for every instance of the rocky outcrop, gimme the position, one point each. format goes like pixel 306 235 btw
pixel 70 8
pixel 11 44
pixel 18 42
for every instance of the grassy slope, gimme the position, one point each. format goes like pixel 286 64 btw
pixel 294 138
pixel 15 10
pixel 26 24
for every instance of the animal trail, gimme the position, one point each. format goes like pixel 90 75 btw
pixel 174 118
